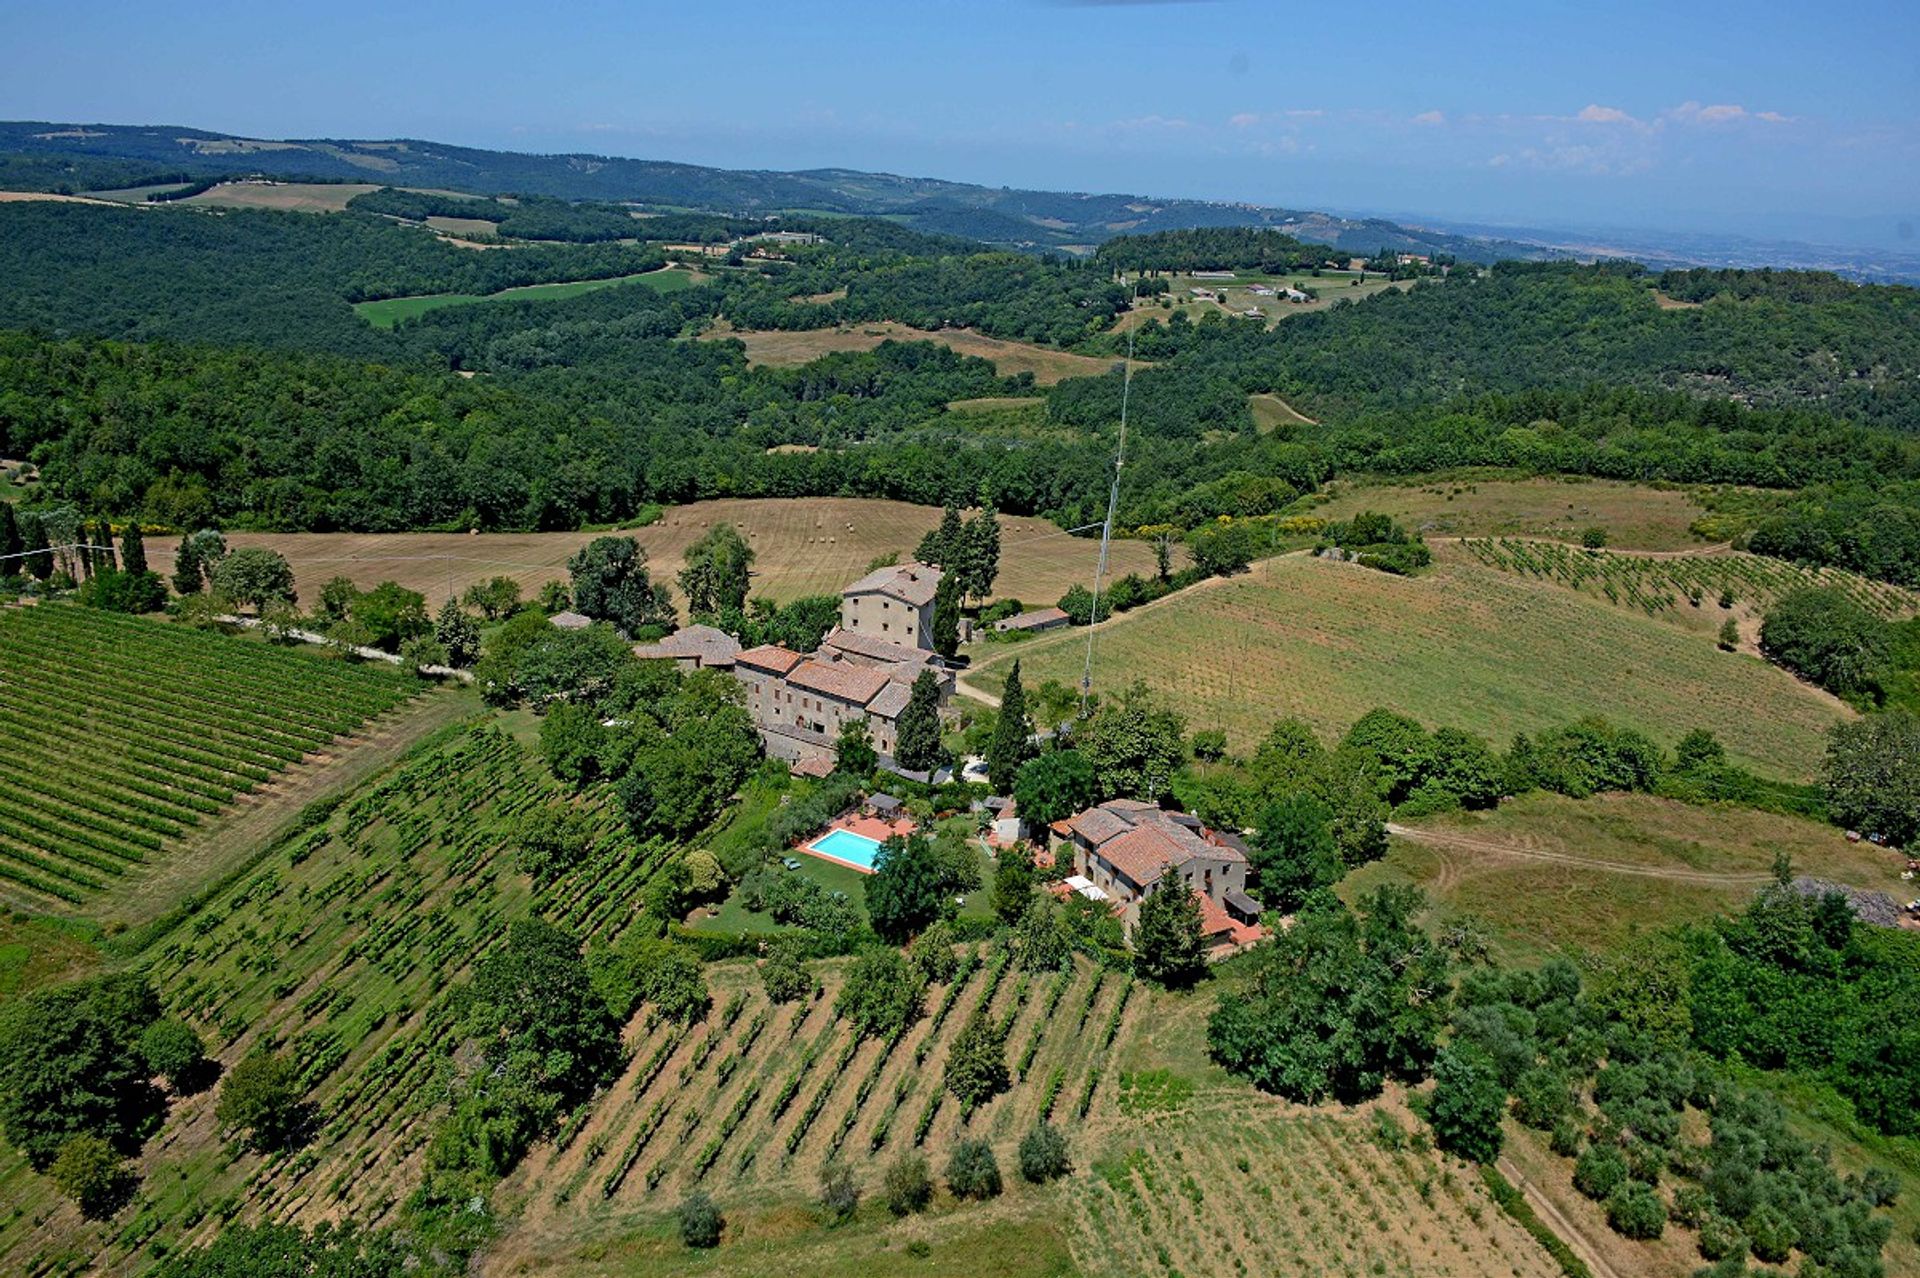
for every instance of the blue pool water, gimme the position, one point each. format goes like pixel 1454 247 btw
pixel 845 845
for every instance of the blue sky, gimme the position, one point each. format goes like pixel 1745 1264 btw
pixel 1760 118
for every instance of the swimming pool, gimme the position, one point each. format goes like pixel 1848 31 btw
pixel 847 848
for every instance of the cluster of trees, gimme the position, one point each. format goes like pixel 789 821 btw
pixel 77 1064
pixel 967 551
pixel 1216 248
pixel 1379 541
pixel 528 217
pixel 1825 637
pixel 673 746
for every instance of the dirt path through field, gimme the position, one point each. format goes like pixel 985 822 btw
pixel 1568 1231
pixel 1446 840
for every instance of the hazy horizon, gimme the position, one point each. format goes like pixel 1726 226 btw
pixel 1751 120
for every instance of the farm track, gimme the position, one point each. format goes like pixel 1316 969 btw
pixel 1459 842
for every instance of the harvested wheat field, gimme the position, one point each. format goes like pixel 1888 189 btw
pixel 1462 645
pixel 298 197
pixel 783 349
pixel 806 546
pixel 1633 516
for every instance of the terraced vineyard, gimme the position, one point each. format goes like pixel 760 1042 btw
pixel 1657 584
pixel 342 948
pixel 118 735
pixel 755 1099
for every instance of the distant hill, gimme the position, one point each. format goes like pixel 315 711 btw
pixel 50 156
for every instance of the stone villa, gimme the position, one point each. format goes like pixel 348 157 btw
pixel 864 668
pixel 1124 849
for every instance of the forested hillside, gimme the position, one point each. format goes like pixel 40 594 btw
pixel 589 407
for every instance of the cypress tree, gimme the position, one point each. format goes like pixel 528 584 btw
pixel 983 554
pixel 944 545
pixel 10 542
pixel 133 548
pixel 917 747
pixel 34 542
pixel 1008 749
pixel 102 539
pixel 946 614
pixel 187 576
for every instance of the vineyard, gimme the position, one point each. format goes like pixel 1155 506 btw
pixel 118 736
pixel 1246 1185
pixel 341 949
pixel 1656 585
pixel 755 1099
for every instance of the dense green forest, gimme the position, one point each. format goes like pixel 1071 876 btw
pixel 594 405
pixel 1216 248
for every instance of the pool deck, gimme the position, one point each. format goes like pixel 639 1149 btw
pixel 866 827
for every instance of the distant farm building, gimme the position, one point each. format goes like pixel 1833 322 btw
pixel 693 648
pixel 1124 849
pixel 1032 622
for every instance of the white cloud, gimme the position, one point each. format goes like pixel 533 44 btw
pixel 1594 113
pixel 1244 120
pixel 1773 117
pixel 1691 112
pixel 1430 117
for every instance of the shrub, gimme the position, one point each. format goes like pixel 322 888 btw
pixel 261 1098
pixel 1593 538
pixel 932 952
pixel 839 1195
pixel 977 1062
pixel 1771 1234
pixel 1691 1206
pixel 700 1221
pixel 973 1171
pixel 908 1185
pixel 1467 1103
pixel 1541 1098
pixel 1568 1137
pixel 1043 1155
pixel 1720 1238
pixel 172 1050
pixel 1599 1171
pixel 88 1171
pixel 784 972
pixel 1634 1209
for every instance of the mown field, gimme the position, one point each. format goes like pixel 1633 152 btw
pixel 119 737
pixel 343 945
pixel 805 546
pixel 296 197
pixel 1547 874
pixel 1634 517
pixel 1463 645
pixel 785 349
pixel 389 311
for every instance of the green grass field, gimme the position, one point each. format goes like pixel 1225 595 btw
pixel 1463 645
pixel 389 311
pixel 1546 874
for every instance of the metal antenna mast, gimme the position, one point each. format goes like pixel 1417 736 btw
pixel 1106 529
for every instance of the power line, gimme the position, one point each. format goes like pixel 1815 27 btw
pixel 1106 529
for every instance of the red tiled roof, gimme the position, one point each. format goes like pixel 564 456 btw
pixel 1213 920
pixel 875 649
pixel 1097 825
pixel 770 656
pixel 812 766
pixel 856 684
pixel 1142 854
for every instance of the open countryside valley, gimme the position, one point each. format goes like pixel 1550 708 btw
pixel 572 714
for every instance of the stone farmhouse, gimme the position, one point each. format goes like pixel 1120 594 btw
pixel 1124 849
pixel 864 668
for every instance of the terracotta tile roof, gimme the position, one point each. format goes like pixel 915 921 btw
pixel 914 584
pixel 875 649
pixel 1143 854
pixel 812 766
pixel 770 656
pixel 857 684
pixel 707 644
pixel 890 700
pixel 1213 919
pixel 1097 825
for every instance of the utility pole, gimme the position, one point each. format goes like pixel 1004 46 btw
pixel 1106 529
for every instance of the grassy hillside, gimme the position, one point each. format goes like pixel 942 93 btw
pixel 1464 646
